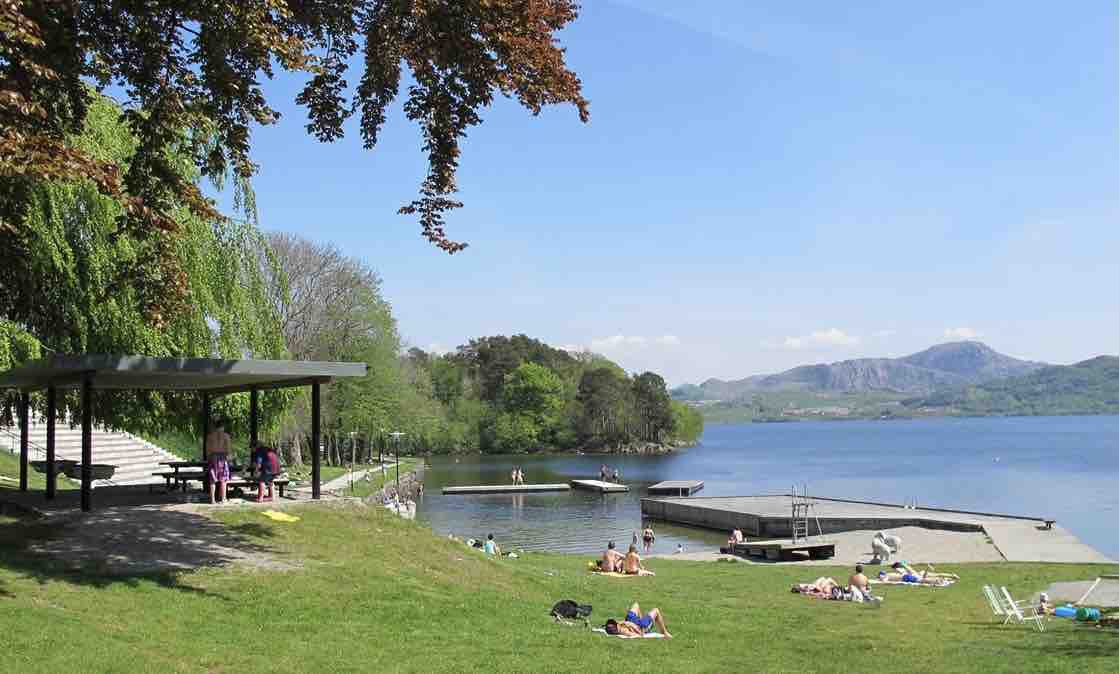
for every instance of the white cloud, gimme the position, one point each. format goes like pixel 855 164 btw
pixel 821 339
pixel 962 333
pixel 883 334
pixel 617 343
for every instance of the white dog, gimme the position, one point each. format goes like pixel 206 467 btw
pixel 881 550
pixel 891 540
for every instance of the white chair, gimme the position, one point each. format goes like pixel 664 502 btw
pixel 995 604
pixel 1015 611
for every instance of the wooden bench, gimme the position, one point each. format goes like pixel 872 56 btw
pixel 280 483
pixel 180 478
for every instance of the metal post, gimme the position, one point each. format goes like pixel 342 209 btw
pixel 87 442
pixel 52 414
pixel 254 419
pixel 24 441
pixel 205 422
pixel 316 405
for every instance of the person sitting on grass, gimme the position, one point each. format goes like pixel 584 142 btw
pixel 491 547
pixel 632 565
pixel 859 581
pixel 612 560
pixel 637 625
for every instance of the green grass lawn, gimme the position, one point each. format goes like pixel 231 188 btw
pixel 376 593
pixel 9 475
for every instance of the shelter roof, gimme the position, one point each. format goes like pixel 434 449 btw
pixel 212 375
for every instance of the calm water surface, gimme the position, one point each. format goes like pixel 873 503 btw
pixel 1063 468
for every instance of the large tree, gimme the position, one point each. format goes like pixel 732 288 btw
pixel 185 64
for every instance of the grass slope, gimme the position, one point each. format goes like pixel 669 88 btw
pixel 375 593
pixel 9 475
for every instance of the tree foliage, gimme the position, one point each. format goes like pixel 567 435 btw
pixel 68 294
pixel 194 65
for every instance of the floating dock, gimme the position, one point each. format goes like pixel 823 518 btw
pixel 676 487
pixel 599 486
pixel 505 488
pixel 786 550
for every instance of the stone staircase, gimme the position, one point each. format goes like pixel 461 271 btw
pixel 135 458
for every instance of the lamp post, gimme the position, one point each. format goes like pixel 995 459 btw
pixel 396 435
pixel 353 449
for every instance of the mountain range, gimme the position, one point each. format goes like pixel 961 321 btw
pixel 953 365
pixel 1088 387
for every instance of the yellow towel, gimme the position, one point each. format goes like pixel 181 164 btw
pixel 279 516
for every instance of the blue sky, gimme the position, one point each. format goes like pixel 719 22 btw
pixel 762 184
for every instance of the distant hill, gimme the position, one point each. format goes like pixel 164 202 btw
pixel 955 364
pixel 1089 387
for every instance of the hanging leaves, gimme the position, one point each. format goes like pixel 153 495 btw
pixel 184 64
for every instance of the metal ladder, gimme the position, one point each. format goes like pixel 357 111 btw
pixel 801 506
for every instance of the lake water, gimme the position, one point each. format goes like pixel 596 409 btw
pixel 1063 468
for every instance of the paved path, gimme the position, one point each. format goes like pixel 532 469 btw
pixel 344 481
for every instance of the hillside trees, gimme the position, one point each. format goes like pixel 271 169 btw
pixel 184 64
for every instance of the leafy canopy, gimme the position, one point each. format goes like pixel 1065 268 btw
pixel 185 64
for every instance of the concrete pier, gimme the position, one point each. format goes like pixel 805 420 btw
pixel 1017 538
pixel 599 486
pixel 505 488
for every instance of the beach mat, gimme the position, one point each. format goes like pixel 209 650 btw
pixel 279 516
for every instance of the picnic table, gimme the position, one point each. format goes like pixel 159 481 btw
pixel 182 478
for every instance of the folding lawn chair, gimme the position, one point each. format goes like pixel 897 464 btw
pixel 995 604
pixel 1015 611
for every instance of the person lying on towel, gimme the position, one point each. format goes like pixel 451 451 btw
pixel 637 625
pixel 930 572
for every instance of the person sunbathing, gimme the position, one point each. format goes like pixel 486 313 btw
pixel 637 625
pixel 822 586
pixel 612 560
pixel 859 581
pixel 907 577
pixel 632 565
pixel 930 572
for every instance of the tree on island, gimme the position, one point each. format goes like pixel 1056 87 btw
pixel 198 66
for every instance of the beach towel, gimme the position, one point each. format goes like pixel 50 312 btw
pixel 647 635
pixel 279 516
pixel 615 574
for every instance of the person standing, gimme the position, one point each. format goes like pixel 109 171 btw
pixel 218 443
pixel 648 538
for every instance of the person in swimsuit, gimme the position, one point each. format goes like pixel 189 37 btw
pixel 638 625
pixel 217 459
pixel 648 538
pixel 491 547
pixel 633 566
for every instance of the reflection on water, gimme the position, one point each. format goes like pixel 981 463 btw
pixel 1065 468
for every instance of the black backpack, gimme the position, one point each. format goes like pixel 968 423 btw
pixel 568 609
